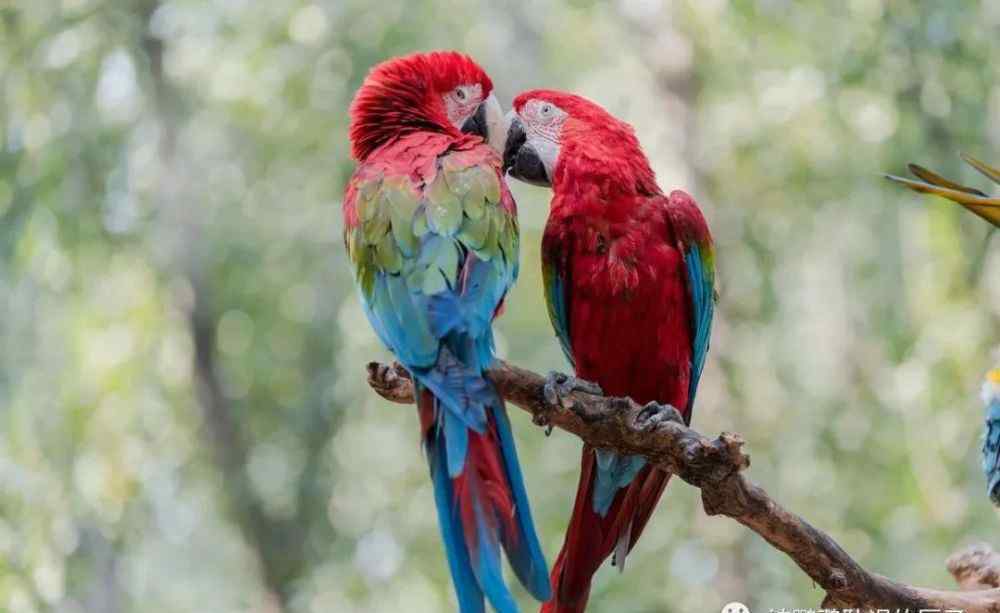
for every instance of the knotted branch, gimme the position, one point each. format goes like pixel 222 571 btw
pixel 976 567
pixel 715 466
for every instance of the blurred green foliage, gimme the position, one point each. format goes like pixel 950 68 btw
pixel 184 422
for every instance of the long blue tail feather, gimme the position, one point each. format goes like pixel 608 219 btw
pixel 487 568
pixel 470 597
pixel 456 440
pixel 523 549
pixel 614 471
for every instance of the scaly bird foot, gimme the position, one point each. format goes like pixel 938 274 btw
pixel 558 387
pixel 654 414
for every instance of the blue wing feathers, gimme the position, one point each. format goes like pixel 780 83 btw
pixel 456 438
pixel 702 309
pixel 395 314
pixel 485 349
pixel 444 313
pixel 464 311
pixel 560 317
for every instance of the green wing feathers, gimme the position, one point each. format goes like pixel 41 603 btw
pixel 419 230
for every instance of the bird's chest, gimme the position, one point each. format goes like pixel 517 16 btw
pixel 605 259
pixel 629 315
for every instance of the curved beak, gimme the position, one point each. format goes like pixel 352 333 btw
pixel 476 123
pixel 520 159
pixel 487 122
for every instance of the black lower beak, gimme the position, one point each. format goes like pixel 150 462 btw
pixel 521 160
pixel 476 124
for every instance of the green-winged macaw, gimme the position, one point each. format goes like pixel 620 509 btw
pixel 629 274
pixel 432 234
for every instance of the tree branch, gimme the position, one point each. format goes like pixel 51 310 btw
pixel 715 467
pixel 976 567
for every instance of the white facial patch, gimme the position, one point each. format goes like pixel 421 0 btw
pixel 543 123
pixel 548 153
pixel 461 102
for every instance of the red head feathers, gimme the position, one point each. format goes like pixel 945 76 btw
pixel 591 142
pixel 407 94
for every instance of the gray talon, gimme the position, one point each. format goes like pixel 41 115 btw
pixel 540 419
pixel 653 414
pixel 557 389
pixel 560 385
pixel 588 387
pixel 549 390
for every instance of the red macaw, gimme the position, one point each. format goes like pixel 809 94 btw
pixel 630 284
pixel 431 230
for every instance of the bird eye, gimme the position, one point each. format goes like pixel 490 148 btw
pixel 546 109
pixel 460 93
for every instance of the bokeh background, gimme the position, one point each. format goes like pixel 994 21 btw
pixel 184 422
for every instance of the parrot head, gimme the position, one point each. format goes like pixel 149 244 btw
pixel 991 387
pixel 440 91
pixel 553 134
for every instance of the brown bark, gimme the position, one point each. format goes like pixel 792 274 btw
pixel 716 466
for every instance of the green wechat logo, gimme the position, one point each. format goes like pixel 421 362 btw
pixel 735 607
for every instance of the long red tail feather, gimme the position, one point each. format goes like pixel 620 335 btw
pixel 591 539
pixel 484 482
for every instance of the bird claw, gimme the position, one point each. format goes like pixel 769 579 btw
pixel 557 389
pixel 541 419
pixel 654 414
pixel 559 386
